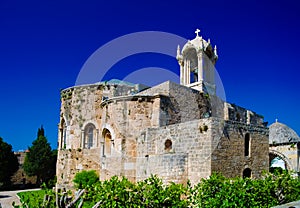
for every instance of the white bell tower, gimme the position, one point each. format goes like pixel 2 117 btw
pixel 197 64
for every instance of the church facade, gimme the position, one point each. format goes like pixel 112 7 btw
pixel 179 132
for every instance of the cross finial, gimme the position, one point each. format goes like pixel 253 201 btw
pixel 197 32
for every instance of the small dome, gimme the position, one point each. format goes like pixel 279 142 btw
pixel 280 133
pixel 198 43
pixel 192 47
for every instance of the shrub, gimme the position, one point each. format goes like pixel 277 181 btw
pixel 85 179
pixel 216 191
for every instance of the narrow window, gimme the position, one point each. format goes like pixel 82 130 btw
pixel 247 144
pixel 90 137
pixel 63 134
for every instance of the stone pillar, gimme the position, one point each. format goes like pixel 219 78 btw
pixel 188 73
pixel 82 139
pixel 60 136
pixel 249 114
pixel 184 72
pixel 181 71
pixel 226 112
pixel 200 66
pixel 97 137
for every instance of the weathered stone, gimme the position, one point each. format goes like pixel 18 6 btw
pixel 174 131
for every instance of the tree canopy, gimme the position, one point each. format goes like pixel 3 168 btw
pixel 8 162
pixel 40 160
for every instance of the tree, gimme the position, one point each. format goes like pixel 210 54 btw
pixel 8 163
pixel 39 160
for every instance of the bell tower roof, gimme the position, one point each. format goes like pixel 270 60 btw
pixel 200 44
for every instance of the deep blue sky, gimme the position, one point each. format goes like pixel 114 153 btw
pixel 44 44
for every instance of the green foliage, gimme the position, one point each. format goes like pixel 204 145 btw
pixel 40 160
pixel 120 192
pixel 85 179
pixel 8 163
pixel 216 191
pixel 37 199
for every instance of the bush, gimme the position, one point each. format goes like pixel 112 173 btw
pixel 216 191
pixel 85 179
pixel 120 192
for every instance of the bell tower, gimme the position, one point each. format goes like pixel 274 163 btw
pixel 197 64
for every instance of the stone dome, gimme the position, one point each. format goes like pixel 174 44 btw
pixel 280 133
pixel 197 43
pixel 200 44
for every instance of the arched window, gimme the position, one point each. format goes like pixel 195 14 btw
pixel 63 134
pixel 89 136
pixel 247 145
pixel 247 173
pixel 107 142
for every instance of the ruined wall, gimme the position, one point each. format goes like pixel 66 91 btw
pixel 240 114
pixel 181 103
pixel 20 177
pixel 229 155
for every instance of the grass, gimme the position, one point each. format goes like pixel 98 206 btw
pixel 35 199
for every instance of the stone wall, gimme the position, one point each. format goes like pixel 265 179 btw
pixel 20 177
pixel 108 108
pixel 71 161
pixel 239 114
pixel 201 147
pixel 182 104
pixel 169 130
pixel 228 154
pixel 126 118
pixel 189 153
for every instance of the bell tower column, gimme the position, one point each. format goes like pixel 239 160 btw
pixel 200 66
pixel 188 72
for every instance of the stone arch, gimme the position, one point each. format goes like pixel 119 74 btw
pixel 247 173
pixel 90 122
pixel 109 127
pixel 83 141
pixel 107 138
pixel 190 56
pixel 273 154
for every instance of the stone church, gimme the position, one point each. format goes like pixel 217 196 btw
pixel 179 132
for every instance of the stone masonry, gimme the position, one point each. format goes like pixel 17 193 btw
pixel 179 132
